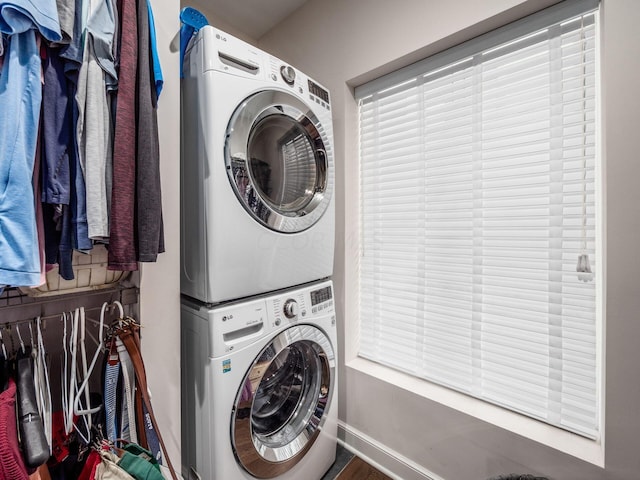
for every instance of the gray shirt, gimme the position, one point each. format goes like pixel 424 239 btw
pixel 94 130
pixel 66 15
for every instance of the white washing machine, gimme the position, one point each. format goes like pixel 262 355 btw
pixel 259 387
pixel 257 172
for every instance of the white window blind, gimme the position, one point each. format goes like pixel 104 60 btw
pixel 478 196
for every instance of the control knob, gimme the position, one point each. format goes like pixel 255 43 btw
pixel 290 308
pixel 288 74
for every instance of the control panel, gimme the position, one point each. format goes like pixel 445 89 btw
pixel 238 325
pixel 289 76
pixel 231 55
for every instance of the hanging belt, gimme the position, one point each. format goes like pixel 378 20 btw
pixel 128 331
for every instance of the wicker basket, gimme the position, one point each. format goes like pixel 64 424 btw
pixel 90 272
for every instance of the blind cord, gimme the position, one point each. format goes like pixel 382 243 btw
pixel 584 264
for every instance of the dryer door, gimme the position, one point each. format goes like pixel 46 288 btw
pixel 278 162
pixel 282 402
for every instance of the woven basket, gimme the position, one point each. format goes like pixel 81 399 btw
pixel 90 273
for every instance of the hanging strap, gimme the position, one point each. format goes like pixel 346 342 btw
pixel 128 332
pixel 111 374
pixel 128 424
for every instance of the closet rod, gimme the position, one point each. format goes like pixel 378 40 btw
pixel 54 306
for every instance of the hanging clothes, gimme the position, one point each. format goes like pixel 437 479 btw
pixel 122 248
pixel 59 144
pixel 72 55
pixel 89 470
pixel 94 129
pixel 56 129
pixel 39 217
pixel 136 151
pixel 66 15
pixel 158 78
pixel 11 463
pixel 56 162
pixel 150 232
pixel 18 16
pixel 20 98
pixel 84 105
pixel 57 228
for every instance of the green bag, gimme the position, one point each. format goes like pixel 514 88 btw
pixel 139 463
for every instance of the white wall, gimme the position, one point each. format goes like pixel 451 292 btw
pixel 160 282
pixel 208 11
pixel 344 43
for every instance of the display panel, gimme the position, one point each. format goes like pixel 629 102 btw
pixel 322 295
pixel 318 91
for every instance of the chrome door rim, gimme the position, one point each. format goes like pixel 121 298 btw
pixel 247 116
pixel 252 450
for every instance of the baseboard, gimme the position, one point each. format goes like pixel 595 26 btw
pixel 389 462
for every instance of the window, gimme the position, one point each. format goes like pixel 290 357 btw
pixel 479 179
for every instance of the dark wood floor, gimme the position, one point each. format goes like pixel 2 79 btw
pixel 358 469
pixel 349 467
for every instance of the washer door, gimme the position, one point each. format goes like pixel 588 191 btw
pixel 276 159
pixel 282 401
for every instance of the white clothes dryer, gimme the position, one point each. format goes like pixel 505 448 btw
pixel 259 387
pixel 257 172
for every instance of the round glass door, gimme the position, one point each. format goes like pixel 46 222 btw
pixel 278 162
pixel 282 401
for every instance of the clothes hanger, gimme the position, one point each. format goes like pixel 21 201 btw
pixel 86 372
pixel 4 366
pixel 47 405
pixel 4 349
pixel 36 368
pixel 63 373
pixel 69 381
pixel 20 339
pixel 73 380
pixel 33 343
pixel 116 303
pixel 12 348
pixel 68 374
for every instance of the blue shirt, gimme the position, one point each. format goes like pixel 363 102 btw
pixel 72 54
pixel 155 58
pixel 20 98
pixel 18 16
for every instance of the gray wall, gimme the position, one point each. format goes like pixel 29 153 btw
pixel 160 282
pixel 343 43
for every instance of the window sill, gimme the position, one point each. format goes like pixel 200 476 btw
pixel 588 450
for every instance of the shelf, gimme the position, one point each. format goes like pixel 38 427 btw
pixel 17 307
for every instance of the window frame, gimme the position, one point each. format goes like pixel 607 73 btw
pixel 577 445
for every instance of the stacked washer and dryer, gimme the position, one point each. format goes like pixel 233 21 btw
pixel 258 341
